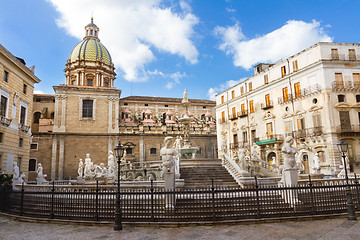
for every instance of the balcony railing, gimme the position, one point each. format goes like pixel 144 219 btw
pixel 278 137
pixel 233 116
pixel 282 100
pixel 344 57
pixel 220 120
pixel 243 114
pixel 347 85
pixel 23 127
pixel 348 129
pixel 268 105
pixel 234 145
pixel 5 121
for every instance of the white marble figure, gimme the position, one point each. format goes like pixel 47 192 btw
pixel 88 173
pixel 317 167
pixel 177 146
pixel 299 162
pixel 168 154
pixel 111 164
pixel 224 144
pixel 185 97
pixel 254 152
pixel 81 169
pixel 40 179
pixel 289 153
pixel 16 171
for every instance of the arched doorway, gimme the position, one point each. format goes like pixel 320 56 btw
pixel 271 158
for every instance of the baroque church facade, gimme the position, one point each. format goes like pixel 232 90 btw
pixel 87 115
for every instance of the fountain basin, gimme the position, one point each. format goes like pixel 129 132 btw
pixel 187 153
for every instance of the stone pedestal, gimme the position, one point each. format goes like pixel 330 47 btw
pixel 169 178
pixel 290 177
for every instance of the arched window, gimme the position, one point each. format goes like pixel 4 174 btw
pixel 32 165
pixel 37 116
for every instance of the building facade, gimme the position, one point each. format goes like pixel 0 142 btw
pixel 16 92
pixel 87 115
pixel 313 96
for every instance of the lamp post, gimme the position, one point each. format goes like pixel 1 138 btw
pixel 343 148
pixel 119 153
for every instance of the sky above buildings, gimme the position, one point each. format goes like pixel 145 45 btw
pixel 159 48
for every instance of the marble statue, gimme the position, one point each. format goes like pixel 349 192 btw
pixel 16 171
pixel 317 167
pixel 40 179
pixel 224 144
pixel 81 169
pixel 254 152
pixel 111 163
pixel 185 97
pixel 241 153
pixel 289 153
pixel 168 154
pixel 177 146
pixel 299 162
pixel 88 167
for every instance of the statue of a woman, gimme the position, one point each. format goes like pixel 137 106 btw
pixel 289 153
pixel 81 168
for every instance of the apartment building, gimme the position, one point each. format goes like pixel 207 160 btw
pixel 313 96
pixel 16 92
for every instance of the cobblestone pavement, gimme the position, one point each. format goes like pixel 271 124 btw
pixel 338 228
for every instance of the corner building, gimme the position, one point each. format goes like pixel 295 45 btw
pixel 313 96
pixel 16 94
pixel 87 115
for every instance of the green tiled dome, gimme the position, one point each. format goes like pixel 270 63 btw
pixel 90 49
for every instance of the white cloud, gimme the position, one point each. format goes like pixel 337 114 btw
pixel 175 79
pixel 131 29
pixel 291 38
pixel 38 92
pixel 215 90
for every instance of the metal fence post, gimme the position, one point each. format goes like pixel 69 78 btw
pixel 213 199
pixel 357 192
pixel 311 197
pixel 97 201
pixel 257 198
pixel 52 200
pixel 152 201
pixel 22 200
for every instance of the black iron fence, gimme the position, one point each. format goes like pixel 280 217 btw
pixel 208 204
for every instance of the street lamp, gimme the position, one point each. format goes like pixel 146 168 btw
pixel 119 153
pixel 343 148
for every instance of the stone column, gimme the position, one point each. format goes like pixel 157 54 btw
pixel 117 114
pixel 83 78
pixel 61 158
pixel 53 157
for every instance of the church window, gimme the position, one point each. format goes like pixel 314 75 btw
pixel 32 165
pixel 87 108
pixel 152 150
pixel 91 32
pixel 24 88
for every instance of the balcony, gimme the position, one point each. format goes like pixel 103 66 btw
pixel 344 57
pixel 5 121
pixel 234 145
pixel 345 86
pixel 267 105
pixel 23 127
pixel 220 120
pixel 348 129
pixel 281 100
pixel 270 139
pixel 46 125
pixel 233 116
pixel 243 114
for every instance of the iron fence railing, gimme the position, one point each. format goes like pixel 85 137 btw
pixel 158 205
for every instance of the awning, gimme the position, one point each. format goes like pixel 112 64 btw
pixel 267 141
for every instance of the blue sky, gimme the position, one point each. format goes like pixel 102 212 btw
pixel 162 47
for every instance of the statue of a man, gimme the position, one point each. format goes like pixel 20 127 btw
pixel 88 166
pixel 254 152
pixel 81 168
pixel 168 154
pixel 289 153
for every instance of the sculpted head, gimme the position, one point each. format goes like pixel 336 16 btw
pixel 167 141
pixel 88 155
